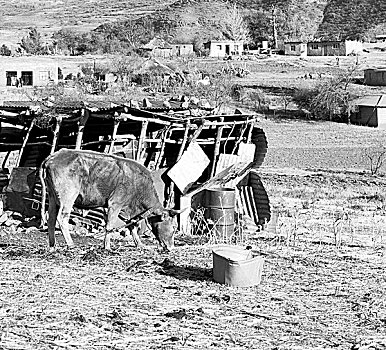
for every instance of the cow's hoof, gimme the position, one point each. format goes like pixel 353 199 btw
pixel 51 250
pixel 111 252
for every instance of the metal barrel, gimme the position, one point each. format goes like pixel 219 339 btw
pixel 220 210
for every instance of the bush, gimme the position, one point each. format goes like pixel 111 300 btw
pixel 330 100
pixel 5 51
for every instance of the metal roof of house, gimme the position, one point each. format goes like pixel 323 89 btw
pixel 224 41
pixel 376 69
pixel 378 101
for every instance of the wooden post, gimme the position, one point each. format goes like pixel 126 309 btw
pixel 56 133
pixel 251 125
pixel 141 139
pixel 114 135
pixel 25 142
pixel 240 138
pixel 170 199
pixel 163 143
pixel 81 124
pixel 216 148
pixel 184 140
pixel 197 133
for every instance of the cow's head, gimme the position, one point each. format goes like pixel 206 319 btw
pixel 164 225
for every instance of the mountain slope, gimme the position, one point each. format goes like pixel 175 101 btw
pixel 296 19
pixel 352 19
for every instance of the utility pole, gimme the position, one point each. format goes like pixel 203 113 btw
pixel 274 28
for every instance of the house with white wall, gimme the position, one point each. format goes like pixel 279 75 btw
pixel 27 71
pixel 224 48
pixel 295 48
pixel 334 48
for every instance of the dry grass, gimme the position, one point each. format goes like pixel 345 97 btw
pixel 322 285
pixel 312 296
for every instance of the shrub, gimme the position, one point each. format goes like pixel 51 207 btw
pixel 5 51
pixel 329 100
pixel 376 157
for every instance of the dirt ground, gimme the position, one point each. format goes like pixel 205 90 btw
pixel 323 278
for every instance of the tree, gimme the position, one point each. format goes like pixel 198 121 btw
pixel 66 40
pixel 33 43
pixel 234 26
pixel 259 26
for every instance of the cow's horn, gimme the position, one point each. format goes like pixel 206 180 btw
pixel 173 212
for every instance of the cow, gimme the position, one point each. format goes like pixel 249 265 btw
pixel 88 179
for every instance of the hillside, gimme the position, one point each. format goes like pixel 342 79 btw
pixel 16 16
pixel 353 19
pixel 296 20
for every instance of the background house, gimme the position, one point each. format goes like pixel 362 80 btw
pixel 371 111
pixel 375 76
pixel 334 48
pixel 295 48
pixel 156 48
pixel 380 38
pixel 29 71
pixel 224 48
pixel 182 49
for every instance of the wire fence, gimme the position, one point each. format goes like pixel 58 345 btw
pixel 321 226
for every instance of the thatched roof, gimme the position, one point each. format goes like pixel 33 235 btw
pixel 153 65
pixel 156 43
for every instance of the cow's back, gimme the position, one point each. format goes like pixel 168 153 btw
pixel 99 178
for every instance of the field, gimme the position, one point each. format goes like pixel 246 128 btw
pixel 323 279
pixel 322 285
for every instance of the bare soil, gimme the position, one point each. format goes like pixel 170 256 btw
pixel 323 280
pixel 322 285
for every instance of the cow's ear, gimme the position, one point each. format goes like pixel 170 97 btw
pixel 162 213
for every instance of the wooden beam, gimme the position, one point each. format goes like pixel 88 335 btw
pixel 25 142
pixel 114 136
pixel 240 137
pixel 141 139
pixel 81 125
pixel 216 149
pixel 170 199
pixel 162 150
pixel 125 116
pixel 58 120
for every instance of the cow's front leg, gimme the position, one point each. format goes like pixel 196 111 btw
pixel 134 233
pixel 112 216
pixel 107 240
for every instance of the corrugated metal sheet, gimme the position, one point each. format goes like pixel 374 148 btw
pixel 259 139
pixel 378 101
pixel 254 199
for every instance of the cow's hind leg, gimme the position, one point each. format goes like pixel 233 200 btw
pixel 52 215
pixel 63 218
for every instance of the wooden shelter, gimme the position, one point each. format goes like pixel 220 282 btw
pixel 371 111
pixel 156 136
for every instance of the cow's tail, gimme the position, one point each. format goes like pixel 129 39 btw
pixel 42 176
